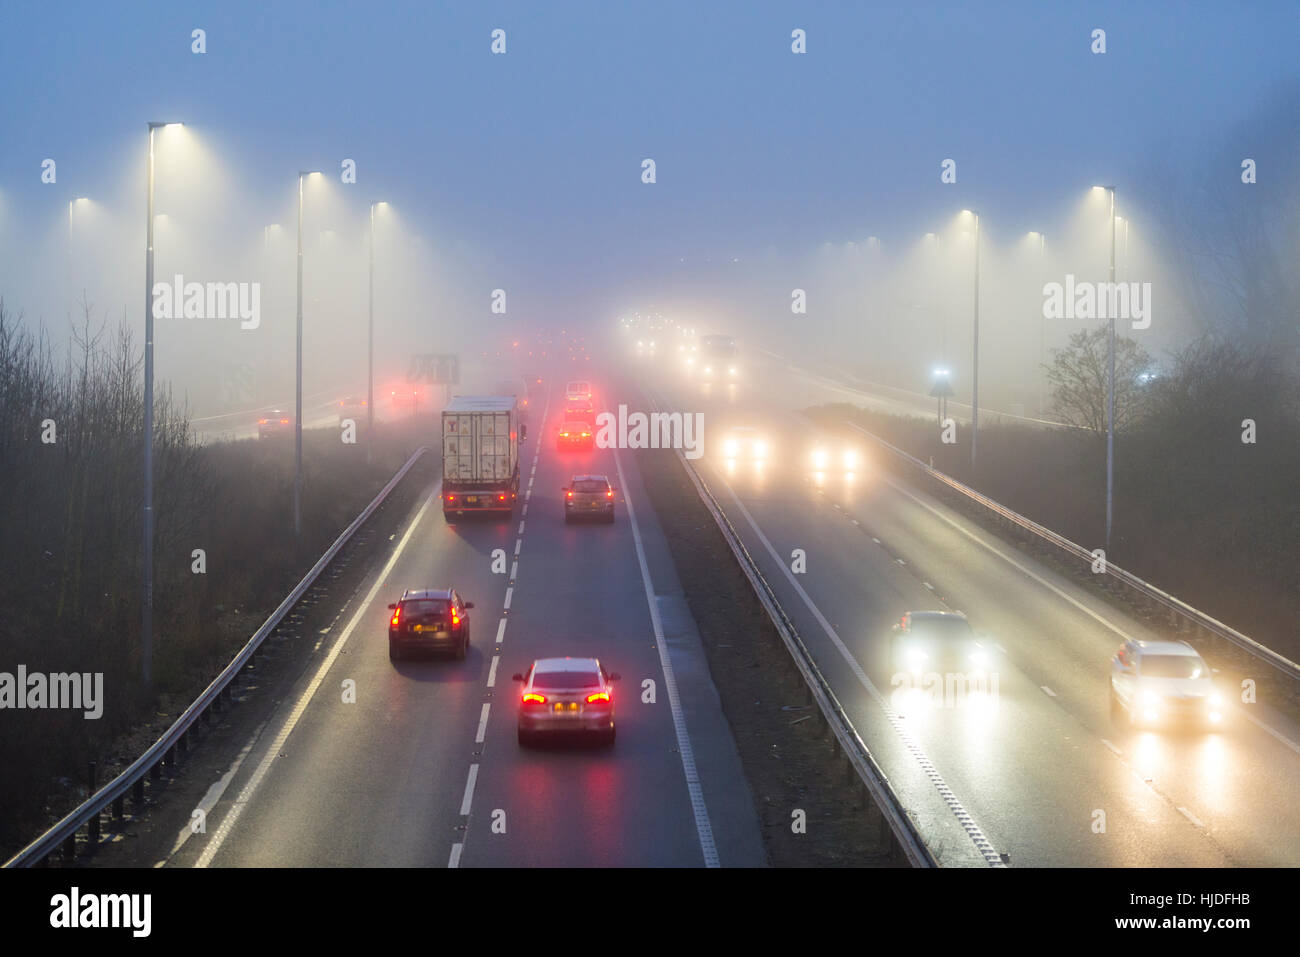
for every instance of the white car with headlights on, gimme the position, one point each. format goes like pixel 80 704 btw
pixel 1163 684
pixel 937 641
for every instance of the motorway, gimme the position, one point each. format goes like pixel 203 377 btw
pixel 424 769
pixel 1035 775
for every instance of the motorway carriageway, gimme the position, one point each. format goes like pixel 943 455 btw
pixel 1038 772
pixel 424 769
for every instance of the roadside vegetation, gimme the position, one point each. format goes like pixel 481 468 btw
pixel 70 568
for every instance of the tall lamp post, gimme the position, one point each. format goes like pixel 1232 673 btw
pixel 370 346
pixel 1042 328
pixel 975 388
pixel 146 560
pixel 1110 378
pixel 297 420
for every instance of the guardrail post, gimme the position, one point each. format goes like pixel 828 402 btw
pixel 137 792
pixel 119 809
pixel 169 757
pixel 70 847
pixel 92 835
pixel 155 772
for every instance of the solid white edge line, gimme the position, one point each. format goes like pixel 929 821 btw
pixel 703 827
pixel 273 752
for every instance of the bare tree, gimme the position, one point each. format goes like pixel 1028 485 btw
pixel 1079 376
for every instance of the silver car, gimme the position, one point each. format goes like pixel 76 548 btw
pixel 1161 684
pixel 589 496
pixel 566 696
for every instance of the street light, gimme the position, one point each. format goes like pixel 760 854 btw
pixel 975 387
pixel 146 596
pixel 297 421
pixel 71 203
pixel 1110 381
pixel 370 348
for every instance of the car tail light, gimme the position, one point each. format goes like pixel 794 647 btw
pixel 451 496
pixel 501 498
pixel 570 495
pixel 455 620
pixel 609 494
pixel 598 697
pixel 586 435
pixel 564 435
pixel 397 616
pixel 284 421
pixel 532 697
pixel 262 421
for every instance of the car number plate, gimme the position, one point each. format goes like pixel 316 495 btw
pixel 471 499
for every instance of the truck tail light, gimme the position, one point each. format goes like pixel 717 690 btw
pixel 570 495
pixel 501 498
pixel 609 494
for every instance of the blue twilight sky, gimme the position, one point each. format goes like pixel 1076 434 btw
pixel 532 159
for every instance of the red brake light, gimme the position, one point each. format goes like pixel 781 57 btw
pixel 397 616
pixel 455 620
pixel 451 496
pixel 586 435
pixel 609 494
pixel 570 495
pixel 598 696
pixel 532 697
pixel 284 421
pixel 262 421
pixel 501 498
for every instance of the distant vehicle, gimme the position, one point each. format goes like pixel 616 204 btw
pixel 352 407
pixel 575 436
pixel 926 641
pixel 578 389
pixel 405 399
pixel 718 359
pixel 566 695
pixel 429 619
pixel 589 496
pixel 848 459
pixel 480 455
pixel 743 442
pixel 580 410
pixel 1163 684
pixel 274 423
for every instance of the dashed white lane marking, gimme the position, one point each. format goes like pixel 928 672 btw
pixel 1048 691
pixel 510 591
pixel 928 585
pixel 999 648
pixel 703 827
pixel 876 540
pixel 1192 817
pixel 973 830
pixel 519 543
pixel 521 528
pixel 482 721
pixel 492 672
pixel 277 745
pixel 1117 751
pixel 900 561
pixel 468 800
pixel 514 570
pixel 501 631
pixel 524 510
pixel 454 860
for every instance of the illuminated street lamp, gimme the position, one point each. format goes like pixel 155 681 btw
pixel 975 372
pixel 297 422
pixel 1110 380
pixel 146 596
pixel 370 348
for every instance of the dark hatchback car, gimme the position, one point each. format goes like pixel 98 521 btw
pixel 589 496
pixel 429 620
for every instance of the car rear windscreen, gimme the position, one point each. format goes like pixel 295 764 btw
pixel 590 485
pixel 566 679
pixel 424 607
pixel 941 627
pixel 1172 666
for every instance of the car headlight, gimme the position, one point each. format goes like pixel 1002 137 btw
pixel 1150 699
pixel 1216 700
pixel 708 368
pixel 915 659
pixel 732 370
pixel 819 458
pixel 760 449
pixel 729 447
pixel 850 459
pixel 977 657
